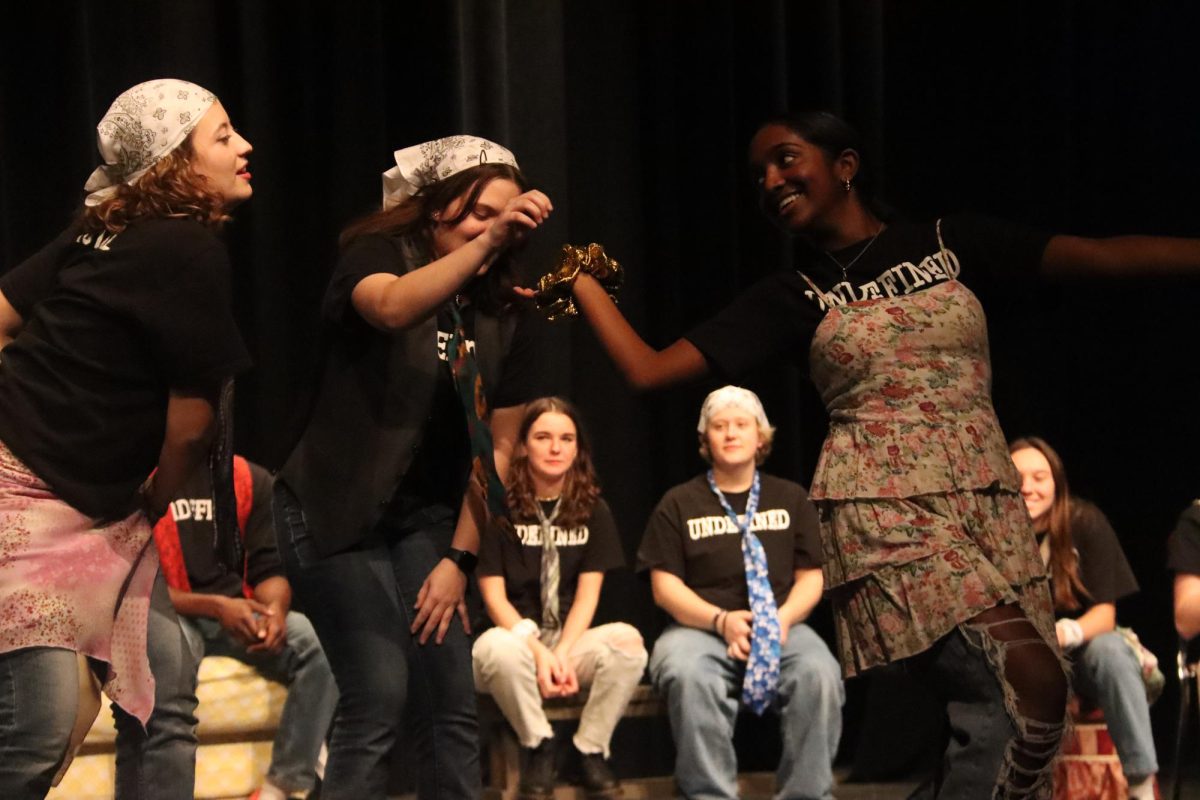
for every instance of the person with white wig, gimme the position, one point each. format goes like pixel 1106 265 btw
pixel 118 347
pixel 428 364
pixel 734 557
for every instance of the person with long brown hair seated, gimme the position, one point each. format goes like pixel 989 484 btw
pixel 428 365
pixel 1088 575
pixel 541 583
pixel 118 337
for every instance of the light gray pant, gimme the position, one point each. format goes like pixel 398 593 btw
pixel 609 658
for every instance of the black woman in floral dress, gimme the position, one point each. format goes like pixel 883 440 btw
pixel 930 557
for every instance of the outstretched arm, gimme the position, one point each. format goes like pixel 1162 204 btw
pixel 642 365
pixel 1121 256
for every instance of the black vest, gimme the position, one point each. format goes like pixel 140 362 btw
pixel 368 421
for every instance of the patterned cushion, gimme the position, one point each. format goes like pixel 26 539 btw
pixel 238 708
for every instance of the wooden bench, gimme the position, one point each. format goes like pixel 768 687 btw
pixel 503 751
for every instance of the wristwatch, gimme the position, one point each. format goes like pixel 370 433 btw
pixel 463 559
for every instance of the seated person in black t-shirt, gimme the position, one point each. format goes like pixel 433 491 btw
pixel 542 598
pixel 1183 559
pixel 1088 574
pixel 731 633
pixel 243 611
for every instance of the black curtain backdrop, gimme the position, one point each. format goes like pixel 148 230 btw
pixel 634 116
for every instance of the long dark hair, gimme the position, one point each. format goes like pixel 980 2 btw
pixel 833 135
pixel 580 488
pixel 1064 560
pixel 170 188
pixel 416 216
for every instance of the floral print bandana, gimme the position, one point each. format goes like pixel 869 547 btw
pixel 423 164
pixel 143 125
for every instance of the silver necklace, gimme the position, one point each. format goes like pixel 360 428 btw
pixel 861 253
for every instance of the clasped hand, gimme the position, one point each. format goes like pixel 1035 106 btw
pixel 256 625
pixel 555 675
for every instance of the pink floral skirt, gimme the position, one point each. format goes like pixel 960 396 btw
pixel 904 572
pixel 66 583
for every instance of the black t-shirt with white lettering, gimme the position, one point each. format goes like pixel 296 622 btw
pixel 591 547
pixel 776 317
pixel 1183 547
pixel 690 535
pixel 111 324
pixel 434 484
pixel 192 511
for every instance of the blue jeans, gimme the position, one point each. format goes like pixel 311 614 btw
pixel 986 673
pixel 1107 672
pixel 39 698
pixel 703 687
pixel 311 698
pixel 159 761
pixel 361 603
pixel 39 693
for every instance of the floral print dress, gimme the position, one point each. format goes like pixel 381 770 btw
pixel 922 521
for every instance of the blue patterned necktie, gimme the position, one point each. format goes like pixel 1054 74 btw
pixel 762 667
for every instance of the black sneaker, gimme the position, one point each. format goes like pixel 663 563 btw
pixel 598 779
pixel 537 772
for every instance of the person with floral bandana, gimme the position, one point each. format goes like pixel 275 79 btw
pixel 118 340
pixel 429 361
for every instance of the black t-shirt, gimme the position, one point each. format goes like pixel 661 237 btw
pixel 591 547
pixel 1102 566
pixel 776 317
pixel 111 323
pixel 690 535
pixel 192 511
pixel 1183 547
pixel 434 484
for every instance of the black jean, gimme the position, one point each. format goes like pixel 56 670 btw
pixel 361 603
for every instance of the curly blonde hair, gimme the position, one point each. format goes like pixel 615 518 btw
pixel 170 188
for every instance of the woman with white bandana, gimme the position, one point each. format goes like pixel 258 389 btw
pixel 426 371
pixel 117 339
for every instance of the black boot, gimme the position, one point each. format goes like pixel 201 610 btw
pixel 598 779
pixel 537 772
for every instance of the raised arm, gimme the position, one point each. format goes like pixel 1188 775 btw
pixel 1121 256
pixel 642 365
pixel 393 302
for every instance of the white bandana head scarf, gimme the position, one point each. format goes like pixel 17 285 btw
pixel 423 164
pixel 143 125
pixel 732 397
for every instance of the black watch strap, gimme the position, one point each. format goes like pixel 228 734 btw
pixel 464 559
